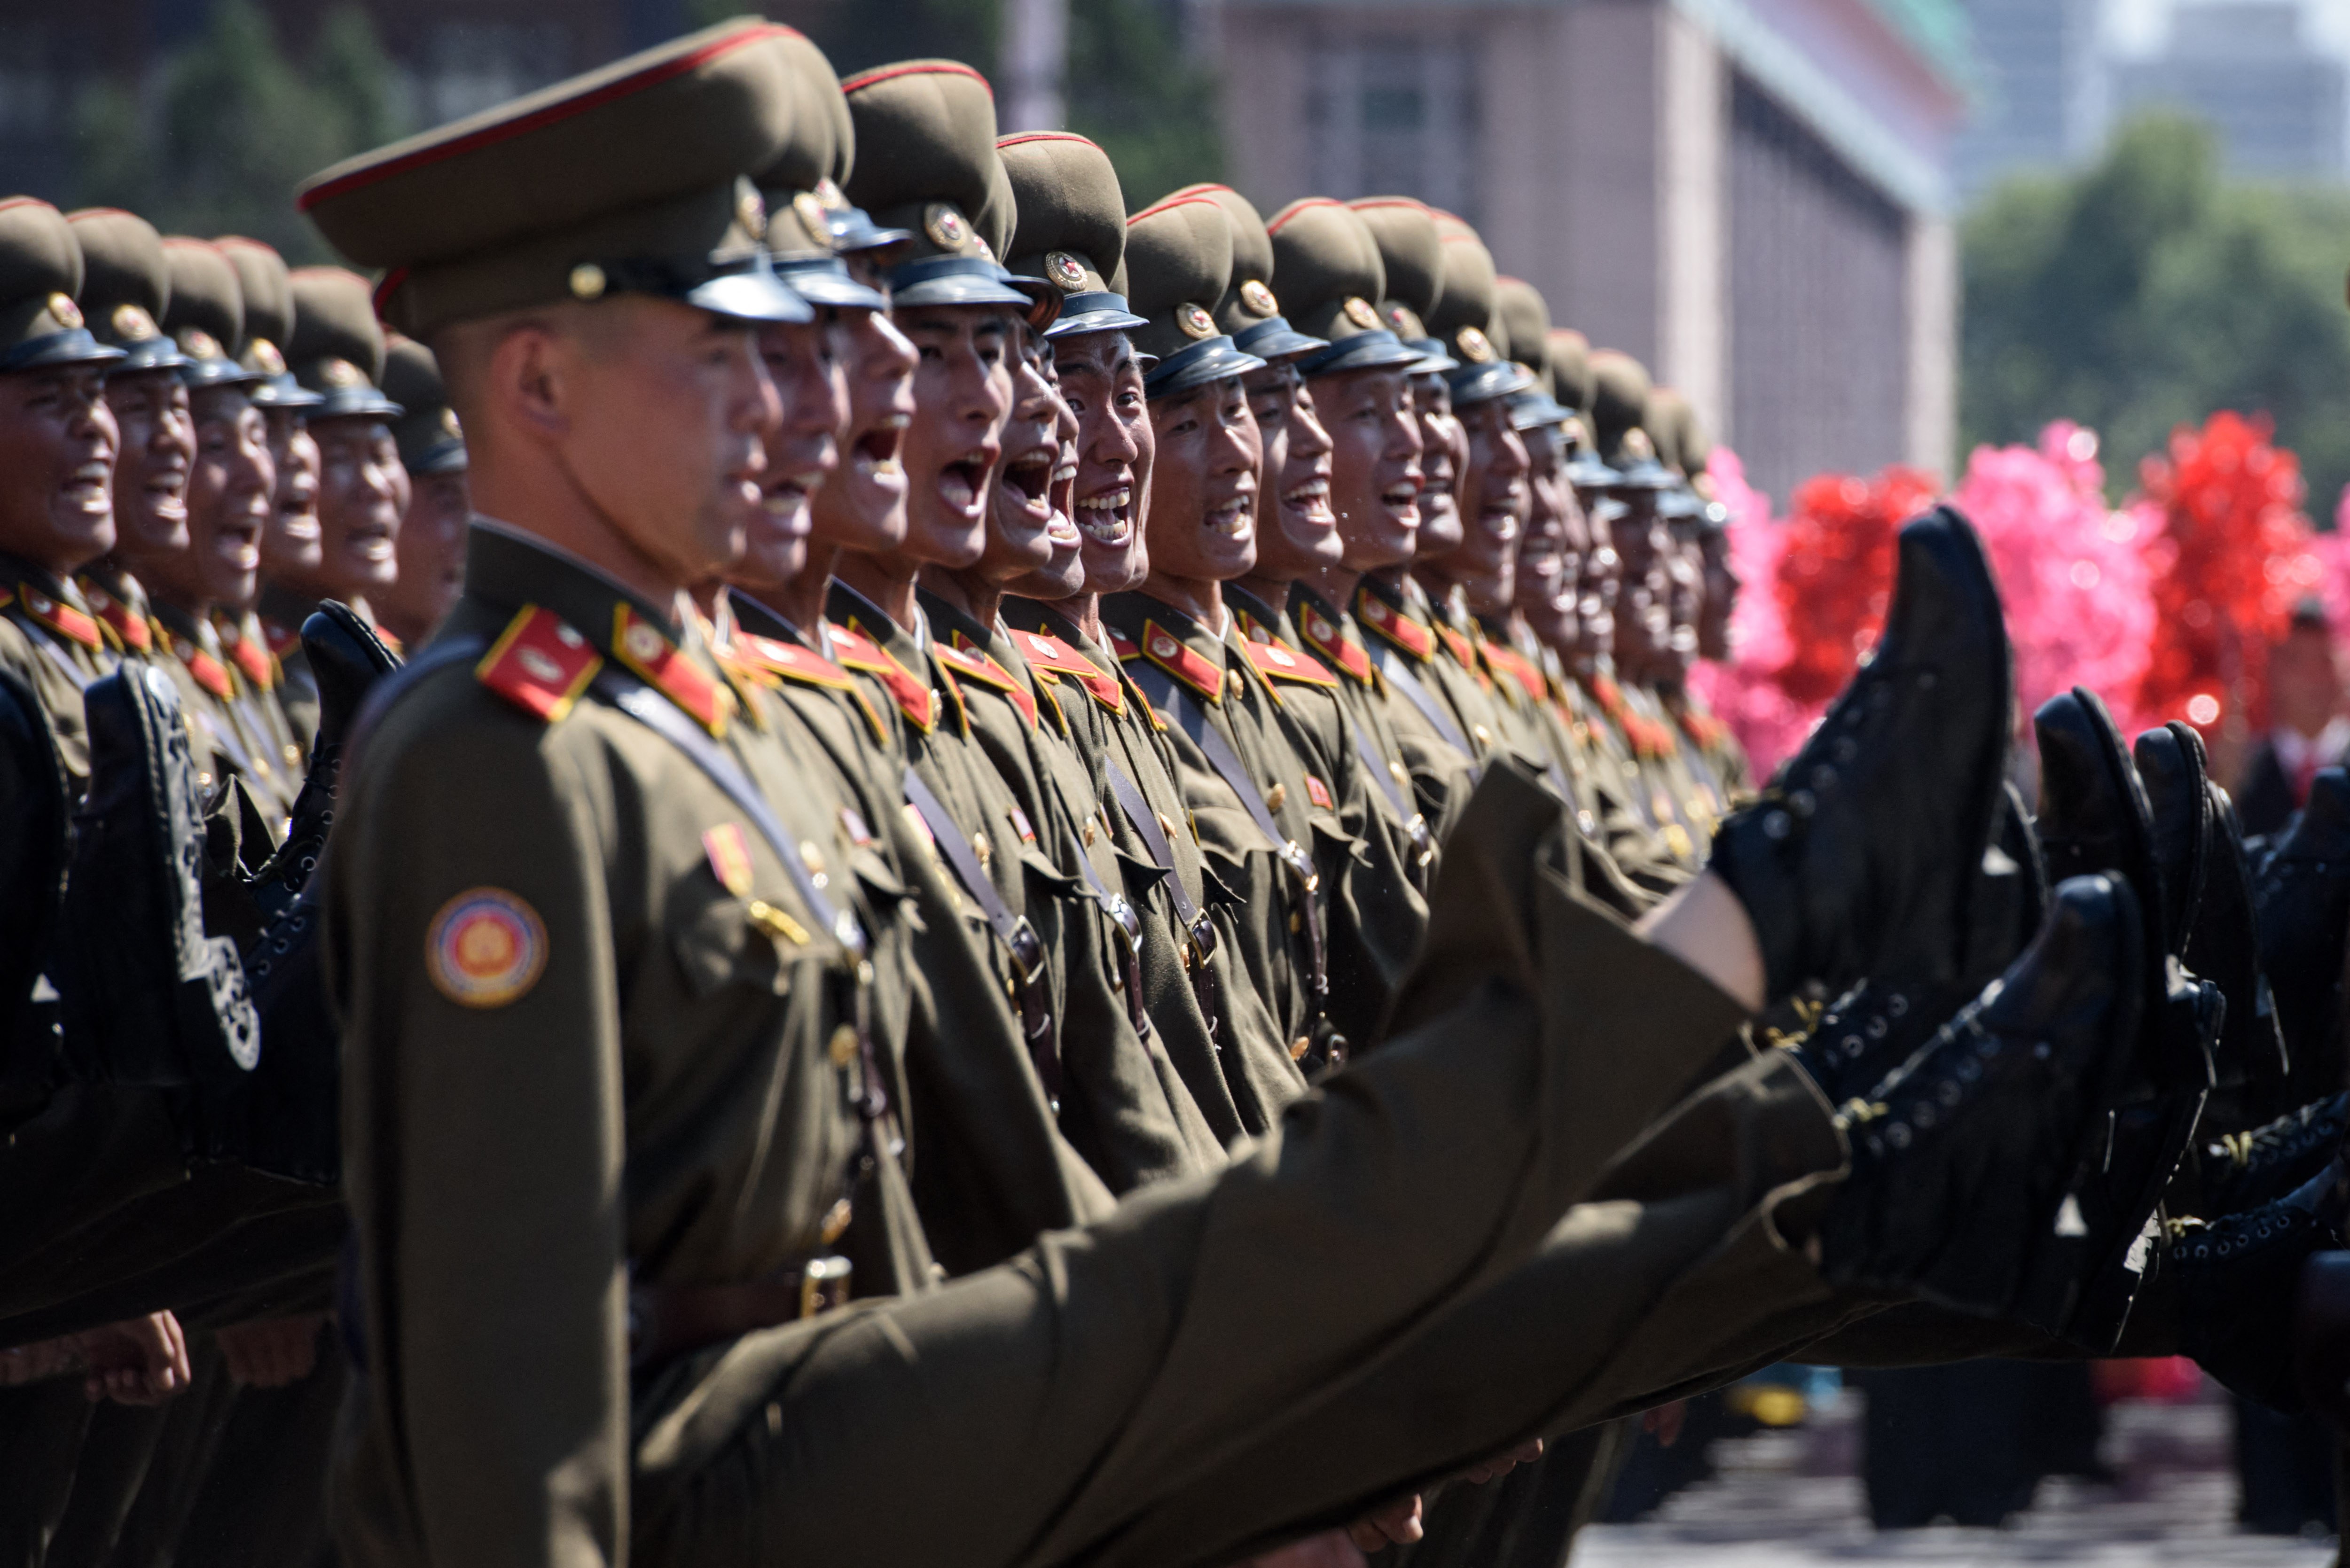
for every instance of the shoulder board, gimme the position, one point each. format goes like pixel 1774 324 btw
pixel 1123 646
pixel 281 638
pixel 790 661
pixel 1393 626
pixel 1323 636
pixel 1176 656
pixel 540 664
pixel 1049 655
pixel 1278 663
pixel 72 624
pixel 647 649
pixel 913 695
pixel 973 663
pixel 125 629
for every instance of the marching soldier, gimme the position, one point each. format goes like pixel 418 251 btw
pixel 430 554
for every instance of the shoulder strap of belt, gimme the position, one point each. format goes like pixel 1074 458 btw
pixel 1019 937
pixel 1400 677
pixel 1415 825
pixel 1202 930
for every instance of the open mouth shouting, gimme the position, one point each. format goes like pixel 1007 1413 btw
pixel 1310 503
pixel 1062 529
pixel 1234 518
pixel 90 487
pixel 873 456
pixel 962 482
pixel 1026 482
pixel 1106 516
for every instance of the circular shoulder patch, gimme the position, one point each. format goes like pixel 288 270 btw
pixel 485 948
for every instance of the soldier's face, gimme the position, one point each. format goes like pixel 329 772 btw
pixel 1445 452
pixel 1203 523
pixel 1494 498
pixel 1602 575
pixel 228 500
pixel 962 390
pixel 1019 522
pixel 1550 554
pixel 801 449
pixel 1722 585
pixel 1378 465
pixel 57 445
pixel 291 546
pixel 362 493
pixel 151 476
pixel 661 412
pixel 432 551
pixel 864 507
pixel 1299 532
pixel 1063 573
pixel 1103 387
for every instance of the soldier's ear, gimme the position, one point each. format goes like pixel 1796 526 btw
pixel 530 378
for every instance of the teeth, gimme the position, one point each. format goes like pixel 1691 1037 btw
pixel 1066 474
pixel 893 422
pixel 879 467
pixel 1107 501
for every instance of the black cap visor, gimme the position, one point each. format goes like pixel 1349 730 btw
pixel 825 281
pixel 1379 349
pixel 74 345
pixel 1472 384
pixel 1274 340
pixel 1195 366
pixel 955 280
pixel 1094 310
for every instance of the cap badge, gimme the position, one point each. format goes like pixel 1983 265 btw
pixel 1475 347
pixel 810 210
pixel 1358 310
pixel 1570 429
pixel 1194 321
pixel 200 343
pixel 1259 298
pixel 1405 323
pixel 587 281
pixel 750 209
pixel 1637 444
pixel 946 227
pixel 338 374
pixel 62 306
pixel 1065 270
pixel 829 194
pixel 265 356
pixel 449 425
pixel 132 324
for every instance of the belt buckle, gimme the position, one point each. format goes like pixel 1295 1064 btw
pixel 1028 949
pixel 1423 843
pixel 823 1284
pixel 1203 937
pixel 1302 864
pixel 1123 913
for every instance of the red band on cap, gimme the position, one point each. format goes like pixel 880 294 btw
pixel 1308 204
pixel 490 135
pixel 1028 136
pixel 23 201
pixel 1168 203
pixel 914 68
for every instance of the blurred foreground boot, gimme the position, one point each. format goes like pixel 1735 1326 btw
pixel 346 658
pixel 2253 1067
pixel 1960 1163
pixel 2301 896
pixel 34 842
pixel 1860 858
pixel 2237 1279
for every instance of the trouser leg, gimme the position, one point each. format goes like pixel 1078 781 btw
pixel 262 1503
pixel 41 1430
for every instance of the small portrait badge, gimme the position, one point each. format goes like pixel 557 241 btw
pixel 485 948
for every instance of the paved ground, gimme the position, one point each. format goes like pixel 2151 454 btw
pixel 1789 1499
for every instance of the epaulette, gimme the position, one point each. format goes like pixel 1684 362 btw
pixel 1392 625
pixel 793 662
pixel 1122 645
pixel 973 662
pixel 855 651
pixel 124 628
pixel 66 621
pixel 1048 655
pixel 669 669
pixel 1324 638
pixel 1176 656
pixel 540 664
pixel 1520 669
pixel 1278 663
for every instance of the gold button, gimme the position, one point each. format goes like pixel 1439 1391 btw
pixel 1298 1048
pixel 842 1048
pixel 1274 797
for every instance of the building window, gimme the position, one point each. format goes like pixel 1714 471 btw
pixel 1395 114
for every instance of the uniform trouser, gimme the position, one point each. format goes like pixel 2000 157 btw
pixel 41 1429
pixel 262 1503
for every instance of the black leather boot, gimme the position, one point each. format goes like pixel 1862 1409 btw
pixel 150 996
pixel 2252 1065
pixel 1860 857
pixel 2096 816
pixel 348 658
pixel 2236 1278
pixel 35 841
pixel 1961 1160
pixel 2300 894
pixel 2243 1170
pixel 2169 763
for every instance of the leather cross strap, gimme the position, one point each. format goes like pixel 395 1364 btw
pixel 1129 927
pixel 1404 681
pixel 1202 930
pixel 1174 698
pixel 668 1321
pixel 1019 937
pixel 1415 825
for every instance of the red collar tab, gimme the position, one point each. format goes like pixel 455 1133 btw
pixel 282 639
pixel 1383 620
pixel 1323 636
pixel 1275 662
pixel 540 664
pixel 1520 669
pixel 1253 630
pixel 647 649
pixel 72 624
pixel 249 655
pixel 789 659
pixel 1048 654
pixel 129 629
pixel 389 638
pixel 913 696
pixel 1125 646
pixel 1463 652
pixel 973 662
pixel 1706 730
pixel 209 672
pixel 1176 656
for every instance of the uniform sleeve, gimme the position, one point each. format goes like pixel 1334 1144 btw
pixel 470 908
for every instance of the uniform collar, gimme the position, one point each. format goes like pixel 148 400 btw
pixel 1258 621
pixel 193 640
pixel 1331 634
pixel 1173 642
pixel 116 597
pixel 1387 612
pixel 57 606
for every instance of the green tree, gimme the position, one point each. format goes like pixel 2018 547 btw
pixel 238 124
pixel 2147 292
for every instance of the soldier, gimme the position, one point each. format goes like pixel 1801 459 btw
pixel 430 555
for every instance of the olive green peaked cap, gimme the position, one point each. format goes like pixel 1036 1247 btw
pixel 40 273
pixel 1666 419
pixel 1521 318
pixel 1570 369
pixel 804 186
pixel 1072 230
pixel 1178 261
pixel 204 313
pixel 630 179
pixel 338 348
pixel 431 439
pixel 124 284
pixel 1619 402
pixel 268 295
pixel 1329 262
pixel 1412 255
pixel 1250 312
pixel 1464 318
pixel 926 162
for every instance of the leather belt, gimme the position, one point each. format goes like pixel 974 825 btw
pixel 1129 926
pixel 1021 942
pixel 669 1321
pixel 1196 924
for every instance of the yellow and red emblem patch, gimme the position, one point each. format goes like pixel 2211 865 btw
pixel 486 947
pixel 730 857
